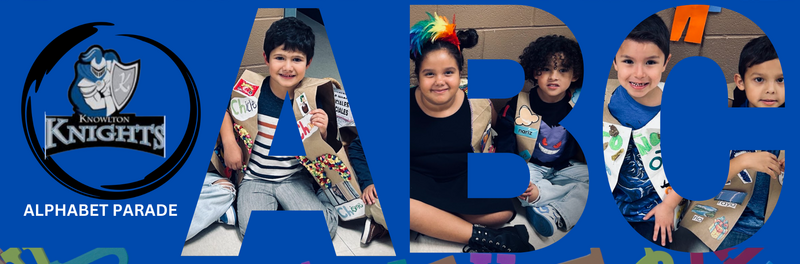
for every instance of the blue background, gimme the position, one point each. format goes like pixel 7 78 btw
pixel 210 39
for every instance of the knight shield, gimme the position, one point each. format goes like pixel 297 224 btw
pixel 124 78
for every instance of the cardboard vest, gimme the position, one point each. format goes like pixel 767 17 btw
pixel 331 170
pixel 243 110
pixel 482 132
pixel 712 220
pixel 527 123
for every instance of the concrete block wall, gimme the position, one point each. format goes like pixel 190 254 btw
pixel 503 31
pixel 253 58
pixel 724 36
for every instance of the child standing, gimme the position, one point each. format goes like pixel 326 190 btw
pixel 529 126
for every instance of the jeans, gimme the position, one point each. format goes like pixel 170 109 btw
pixel 214 201
pixel 295 193
pixel 566 190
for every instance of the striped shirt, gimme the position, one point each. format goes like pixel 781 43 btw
pixel 261 165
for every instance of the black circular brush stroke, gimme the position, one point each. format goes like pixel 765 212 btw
pixel 46 60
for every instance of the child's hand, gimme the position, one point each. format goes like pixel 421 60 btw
pixel 233 156
pixel 760 161
pixel 664 218
pixel 531 192
pixel 320 119
pixel 369 195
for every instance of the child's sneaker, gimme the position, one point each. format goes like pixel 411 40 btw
pixel 372 231
pixel 545 219
pixel 229 217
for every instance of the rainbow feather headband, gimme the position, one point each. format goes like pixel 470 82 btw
pixel 434 28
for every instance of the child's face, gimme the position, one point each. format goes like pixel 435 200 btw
pixel 763 84
pixel 554 79
pixel 439 77
pixel 286 68
pixel 639 66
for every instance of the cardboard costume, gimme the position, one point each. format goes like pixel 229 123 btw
pixel 482 133
pixel 527 123
pixel 716 218
pixel 330 169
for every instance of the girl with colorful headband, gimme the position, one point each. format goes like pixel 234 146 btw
pixel 441 116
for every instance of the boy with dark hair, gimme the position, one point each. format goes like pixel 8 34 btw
pixel 761 78
pixel 269 181
pixel 641 192
pixel 760 75
pixel 529 126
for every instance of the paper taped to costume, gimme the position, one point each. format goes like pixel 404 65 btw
pixel 344 117
pixel 527 123
pixel 713 219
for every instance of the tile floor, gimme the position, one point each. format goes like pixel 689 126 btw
pixel 224 240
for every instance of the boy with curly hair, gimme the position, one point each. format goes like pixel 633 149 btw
pixel 529 125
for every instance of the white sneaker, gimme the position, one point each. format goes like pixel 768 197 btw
pixel 544 219
pixel 228 218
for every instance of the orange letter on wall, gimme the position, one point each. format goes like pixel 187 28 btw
pixel 698 14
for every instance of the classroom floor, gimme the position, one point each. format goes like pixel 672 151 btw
pixel 422 243
pixel 223 240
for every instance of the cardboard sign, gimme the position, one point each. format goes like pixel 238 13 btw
pixel 723 214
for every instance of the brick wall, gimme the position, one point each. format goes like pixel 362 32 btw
pixel 253 59
pixel 725 35
pixel 503 31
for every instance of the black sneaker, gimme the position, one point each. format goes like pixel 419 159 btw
pixel 506 239
pixel 372 231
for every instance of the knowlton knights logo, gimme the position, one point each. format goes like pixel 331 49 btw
pixel 102 86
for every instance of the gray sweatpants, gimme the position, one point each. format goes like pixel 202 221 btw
pixel 295 193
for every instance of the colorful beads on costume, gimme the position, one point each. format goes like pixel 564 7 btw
pixel 317 168
pixel 245 138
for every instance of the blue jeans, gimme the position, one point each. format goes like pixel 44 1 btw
pixel 295 193
pixel 214 201
pixel 566 190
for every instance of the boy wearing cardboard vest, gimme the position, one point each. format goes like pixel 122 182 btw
pixel 755 178
pixel 631 133
pixel 529 126
pixel 266 181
